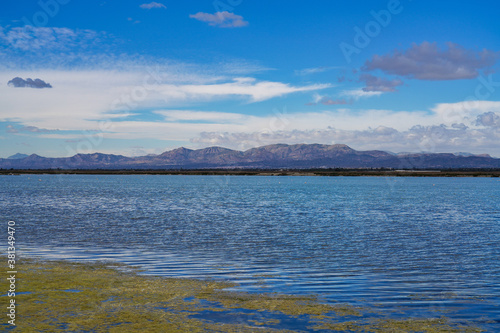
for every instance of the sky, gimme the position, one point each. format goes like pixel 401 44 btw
pixel 135 77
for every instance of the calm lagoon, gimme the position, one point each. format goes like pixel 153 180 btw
pixel 410 247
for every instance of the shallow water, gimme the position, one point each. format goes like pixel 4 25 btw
pixel 420 247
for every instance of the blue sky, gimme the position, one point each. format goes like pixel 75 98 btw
pixel 139 77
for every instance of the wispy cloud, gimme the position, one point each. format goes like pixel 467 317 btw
pixel 427 62
pixel 314 70
pixel 359 93
pixel 255 90
pixel 30 129
pixel 329 101
pixel 35 39
pixel 221 19
pixel 152 5
pixel 84 98
pixel 133 21
pixel 205 116
pixel 374 83
pixel 325 100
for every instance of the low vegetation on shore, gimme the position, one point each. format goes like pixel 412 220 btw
pixel 266 172
pixel 53 296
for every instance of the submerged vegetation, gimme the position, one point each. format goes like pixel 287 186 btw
pixel 102 297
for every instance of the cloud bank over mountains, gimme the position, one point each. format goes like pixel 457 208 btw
pixel 418 138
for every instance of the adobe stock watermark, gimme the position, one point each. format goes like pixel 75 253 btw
pixel 364 35
pixel 11 272
pixel 226 5
pixel 49 9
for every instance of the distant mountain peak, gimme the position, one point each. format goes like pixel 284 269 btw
pixel 17 156
pixel 465 154
pixel 181 150
pixel 216 149
pixel 275 156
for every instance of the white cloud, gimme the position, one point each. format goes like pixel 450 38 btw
pixel 362 129
pixel 188 115
pixel 467 111
pixel 79 100
pixel 359 93
pixel 432 138
pixel 76 101
pixel 152 5
pixel 188 124
pixel 35 39
pixel 314 70
pixel 248 87
pixel 221 19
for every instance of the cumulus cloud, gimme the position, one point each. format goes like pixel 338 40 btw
pixel 434 138
pixel 450 113
pixel 30 129
pixel 374 83
pixel 152 5
pixel 221 19
pixel 488 119
pixel 18 82
pixel 428 62
pixel 369 129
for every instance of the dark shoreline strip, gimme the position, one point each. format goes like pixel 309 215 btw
pixel 266 172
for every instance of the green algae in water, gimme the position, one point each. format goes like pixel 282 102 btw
pixel 102 297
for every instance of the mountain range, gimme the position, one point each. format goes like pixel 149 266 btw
pixel 298 156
